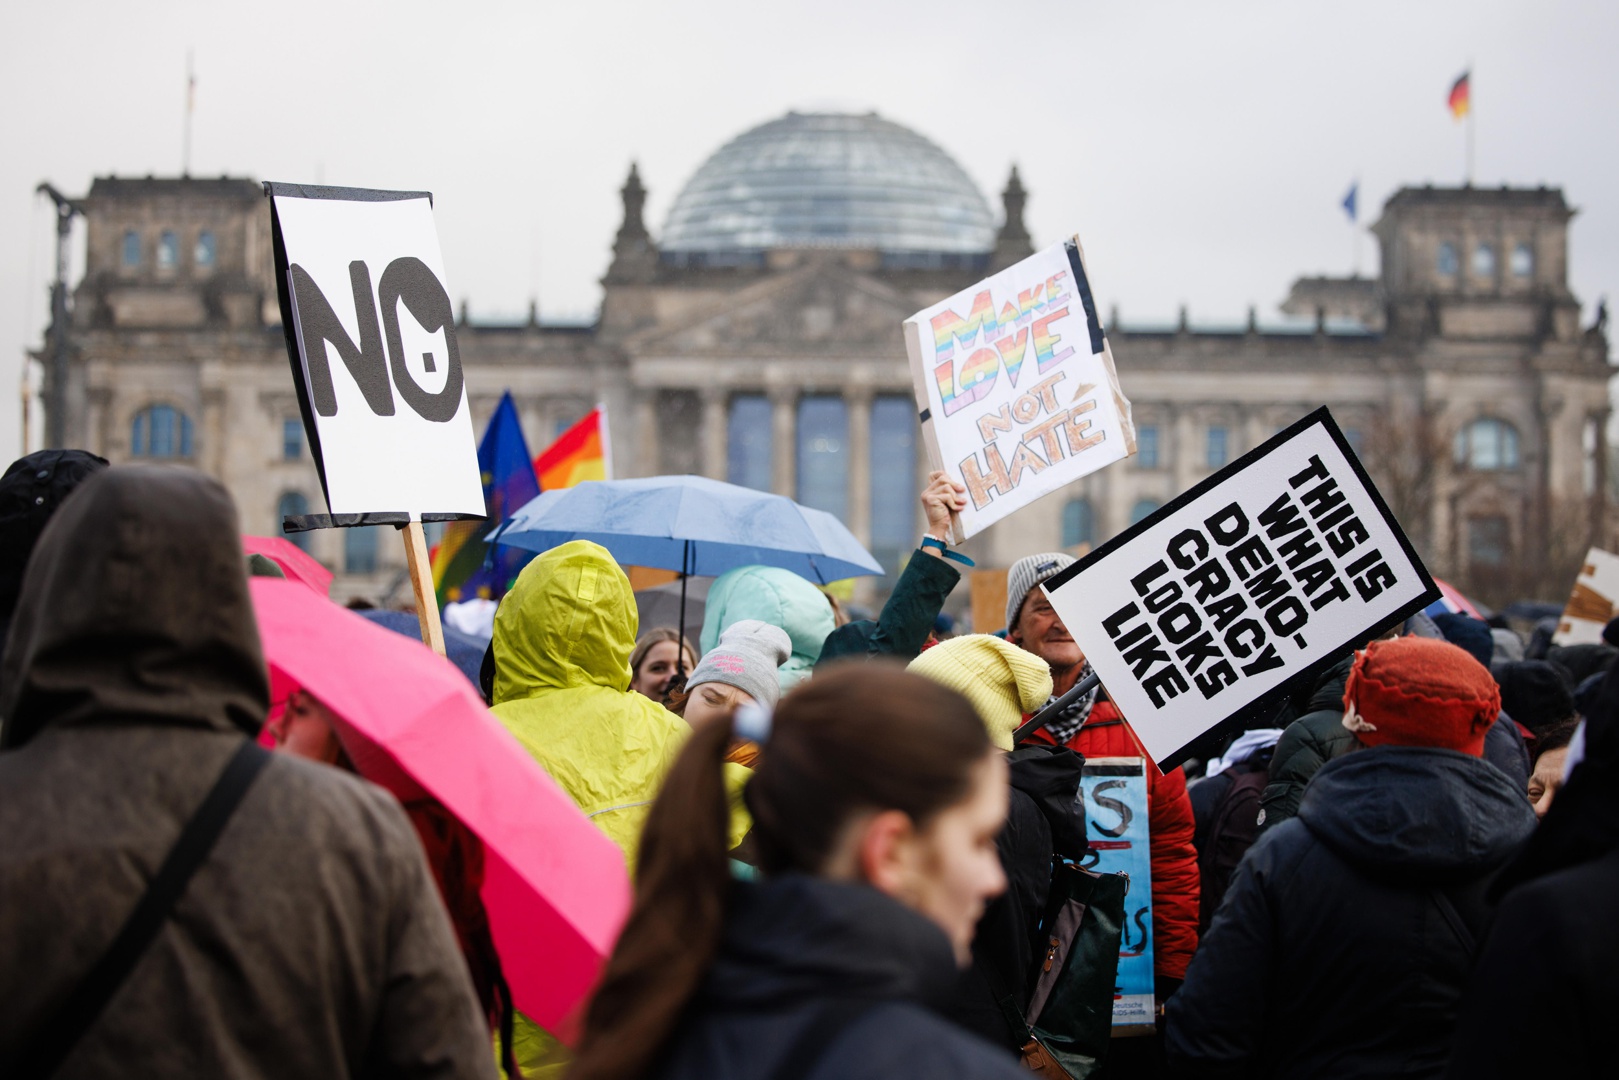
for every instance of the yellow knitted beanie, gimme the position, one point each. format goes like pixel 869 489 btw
pixel 1002 681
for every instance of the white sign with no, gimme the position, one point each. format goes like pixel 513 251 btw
pixel 378 363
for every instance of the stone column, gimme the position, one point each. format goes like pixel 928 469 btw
pixel 857 402
pixel 715 443
pixel 212 436
pixel 98 422
pixel 784 439
pixel 1184 448
pixel 646 432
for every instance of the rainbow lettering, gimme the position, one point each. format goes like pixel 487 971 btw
pixel 1046 342
pixel 950 328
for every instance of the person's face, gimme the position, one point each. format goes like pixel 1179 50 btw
pixel 949 870
pixel 1546 779
pixel 657 670
pixel 1041 632
pixel 713 701
pixel 306 729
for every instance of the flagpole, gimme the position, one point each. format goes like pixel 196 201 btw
pixel 191 101
pixel 1354 232
pixel 1471 120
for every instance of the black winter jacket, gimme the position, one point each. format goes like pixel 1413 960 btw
pixel 1332 954
pixel 1549 966
pixel 793 944
pixel 1043 820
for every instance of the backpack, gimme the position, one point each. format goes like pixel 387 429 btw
pixel 1232 828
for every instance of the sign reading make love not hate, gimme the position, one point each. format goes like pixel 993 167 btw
pixel 371 336
pixel 1016 385
pixel 1276 563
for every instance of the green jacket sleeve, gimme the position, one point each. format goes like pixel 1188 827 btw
pixel 907 619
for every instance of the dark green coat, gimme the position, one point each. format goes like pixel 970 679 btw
pixel 903 626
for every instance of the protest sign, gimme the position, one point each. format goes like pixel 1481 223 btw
pixel 1261 573
pixel 1113 799
pixel 1592 603
pixel 1016 387
pixel 371 337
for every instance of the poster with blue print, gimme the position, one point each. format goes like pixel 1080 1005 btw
pixel 1113 798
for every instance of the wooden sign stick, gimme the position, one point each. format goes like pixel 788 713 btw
pixel 421 580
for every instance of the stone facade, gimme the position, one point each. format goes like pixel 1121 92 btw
pixel 1463 376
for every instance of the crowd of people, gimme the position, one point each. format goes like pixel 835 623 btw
pixel 845 861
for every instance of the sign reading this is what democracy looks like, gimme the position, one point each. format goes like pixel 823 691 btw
pixel 1016 385
pixel 371 336
pixel 1269 567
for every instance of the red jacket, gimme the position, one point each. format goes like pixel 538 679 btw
pixel 1175 880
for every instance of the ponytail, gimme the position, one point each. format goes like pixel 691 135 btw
pixel 856 737
pixel 682 875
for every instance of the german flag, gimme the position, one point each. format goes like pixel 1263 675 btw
pixel 1460 97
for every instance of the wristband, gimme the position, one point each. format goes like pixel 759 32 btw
pixel 943 549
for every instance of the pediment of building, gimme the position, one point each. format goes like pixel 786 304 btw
pixel 826 304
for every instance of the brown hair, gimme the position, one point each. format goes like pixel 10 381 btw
pixel 644 643
pixel 857 737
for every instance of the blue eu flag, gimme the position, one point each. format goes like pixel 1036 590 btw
pixel 1351 201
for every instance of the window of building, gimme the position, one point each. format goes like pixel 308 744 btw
pixel 1218 451
pixel 892 469
pixel 823 470
pixel 1523 261
pixel 1489 542
pixel 292 504
pixel 1147 446
pixel 160 431
pixel 1447 264
pixel 1487 444
pixel 203 256
pixel 168 250
pixel 1142 509
pixel 360 549
pixel 1484 261
pixel 748 443
pixel 292 440
pixel 132 248
pixel 1078 523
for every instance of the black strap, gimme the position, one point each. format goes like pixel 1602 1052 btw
pixel 818 1037
pixel 53 1040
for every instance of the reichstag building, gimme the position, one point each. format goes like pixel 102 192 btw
pixel 756 338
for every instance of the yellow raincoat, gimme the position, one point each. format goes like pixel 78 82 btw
pixel 562 642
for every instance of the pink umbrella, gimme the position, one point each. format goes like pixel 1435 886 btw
pixel 298 564
pixel 555 886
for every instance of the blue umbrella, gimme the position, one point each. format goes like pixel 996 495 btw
pixel 691 525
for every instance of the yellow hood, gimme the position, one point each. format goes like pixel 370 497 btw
pixel 569 621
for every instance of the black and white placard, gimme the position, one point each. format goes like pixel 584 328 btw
pixel 371 337
pixel 1256 575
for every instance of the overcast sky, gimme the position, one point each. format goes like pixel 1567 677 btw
pixel 1200 149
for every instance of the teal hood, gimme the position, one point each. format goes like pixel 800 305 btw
pixel 780 598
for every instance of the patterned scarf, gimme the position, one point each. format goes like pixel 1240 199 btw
pixel 1073 717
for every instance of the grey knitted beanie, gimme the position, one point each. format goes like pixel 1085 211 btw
pixel 747 656
pixel 1028 572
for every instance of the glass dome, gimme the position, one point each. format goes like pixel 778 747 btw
pixel 829 180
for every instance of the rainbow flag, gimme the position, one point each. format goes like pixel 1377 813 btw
pixel 1460 100
pixel 463 566
pixel 583 452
